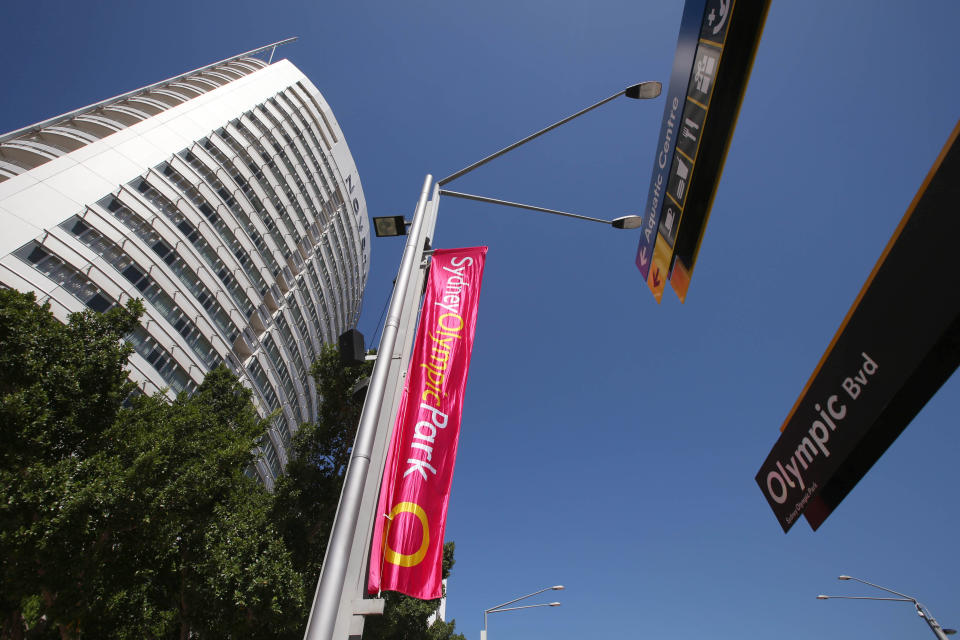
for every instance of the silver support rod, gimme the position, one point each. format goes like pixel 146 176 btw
pixel 350 620
pixel 66 116
pixel 507 203
pixel 921 610
pixel 492 156
pixel 323 613
pixel 527 606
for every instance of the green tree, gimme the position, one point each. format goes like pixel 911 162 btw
pixel 405 618
pixel 199 552
pixel 132 522
pixel 136 520
pixel 61 386
pixel 306 497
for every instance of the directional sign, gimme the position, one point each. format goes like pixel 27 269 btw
pixel 715 50
pixel 898 344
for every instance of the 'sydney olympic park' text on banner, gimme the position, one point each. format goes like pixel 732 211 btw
pixel 407 548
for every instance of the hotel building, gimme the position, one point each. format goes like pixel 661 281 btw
pixel 227 199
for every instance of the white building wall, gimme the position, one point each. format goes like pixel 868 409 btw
pixel 237 215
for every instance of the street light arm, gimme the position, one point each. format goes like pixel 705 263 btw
pixel 924 613
pixel 643 90
pixel 866 598
pixel 529 595
pixel 876 586
pixel 507 203
pixel 526 606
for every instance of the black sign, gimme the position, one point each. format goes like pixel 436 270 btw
pixel 897 345
pixel 729 36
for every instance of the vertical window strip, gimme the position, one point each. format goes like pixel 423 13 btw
pixel 301 323
pixel 266 183
pixel 218 315
pixel 349 258
pixel 230 239
pixel 288 339
pixel 323 302
pixel 326 259
pixel 218 156
pixel 319 109
pixel 322 331
pixel 193 235
pixel 346 256
pixel 270 456
pixel 259 377
pixel 251 194
pixel 276 358
pixel 282 177
pixel 317 284
pixel 161 360
pixel 314 192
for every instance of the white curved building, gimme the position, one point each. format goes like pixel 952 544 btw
pixel 226 199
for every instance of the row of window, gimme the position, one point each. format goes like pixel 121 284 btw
pixel 84 289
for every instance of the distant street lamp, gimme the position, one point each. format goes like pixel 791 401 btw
pixel 922 611
pixel 503 607
pixel 332 606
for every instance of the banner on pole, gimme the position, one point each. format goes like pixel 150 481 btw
pixel 407 547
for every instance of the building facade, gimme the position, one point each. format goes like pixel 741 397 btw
pixel 227 200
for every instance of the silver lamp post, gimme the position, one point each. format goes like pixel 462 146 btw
pixel 335 609
pixel 922 611
pixel 503 607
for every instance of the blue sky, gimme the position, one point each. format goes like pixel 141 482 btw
pixel 609 443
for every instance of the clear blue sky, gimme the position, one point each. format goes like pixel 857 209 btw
pixel 609 444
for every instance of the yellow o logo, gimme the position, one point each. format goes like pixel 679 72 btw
pixel 402 559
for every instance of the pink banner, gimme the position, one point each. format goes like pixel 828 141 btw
pixel 408 535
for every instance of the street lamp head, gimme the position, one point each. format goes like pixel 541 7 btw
pixel 559 587
pixel 823 597
pixel 843 578
pixel 627 222
pixel 949 632
pixel 554 604
pixel 389 226
pixel 643 91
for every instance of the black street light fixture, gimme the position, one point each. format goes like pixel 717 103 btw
pixel 389 226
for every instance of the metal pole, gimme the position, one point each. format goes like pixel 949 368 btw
pixel 326 600
pixel 354 607
pixel 483 632
pixel 921 610
pixel 931 621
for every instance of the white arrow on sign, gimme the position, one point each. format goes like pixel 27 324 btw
pixel 643 256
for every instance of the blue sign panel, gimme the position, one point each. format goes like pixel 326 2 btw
pixel 690 26
pixel 718 40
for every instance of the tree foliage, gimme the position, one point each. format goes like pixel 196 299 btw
pixel 405 618
pixel 61 387
pixel 307 496
pixel 128 522
pixel 130 516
